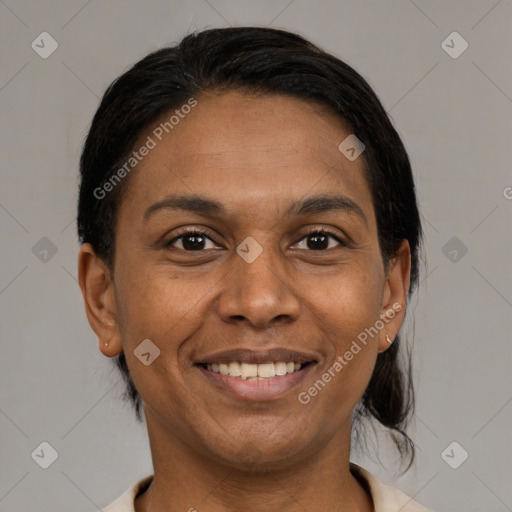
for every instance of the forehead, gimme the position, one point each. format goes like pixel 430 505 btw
pixel 250 150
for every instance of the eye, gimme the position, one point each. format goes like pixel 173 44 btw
pixel 194 240
pixel 318 240
pixel 191 240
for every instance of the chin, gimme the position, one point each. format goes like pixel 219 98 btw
pixel 259 453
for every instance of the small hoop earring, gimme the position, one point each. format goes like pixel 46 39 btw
pixel 388 339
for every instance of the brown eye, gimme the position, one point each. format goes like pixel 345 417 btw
pixel 319 240
pixel 191 241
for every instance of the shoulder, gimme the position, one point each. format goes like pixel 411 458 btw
pixel 125 502
pixel 385 498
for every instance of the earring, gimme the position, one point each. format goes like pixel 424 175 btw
pixel 388 339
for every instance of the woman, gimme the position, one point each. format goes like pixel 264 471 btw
pixel 250 238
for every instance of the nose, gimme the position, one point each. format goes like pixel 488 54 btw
pixel 259 293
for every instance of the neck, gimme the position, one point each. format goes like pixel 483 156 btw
pixel 186 480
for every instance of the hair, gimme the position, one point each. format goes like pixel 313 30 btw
pixel 261 61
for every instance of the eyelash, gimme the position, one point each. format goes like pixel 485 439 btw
pixel 313 231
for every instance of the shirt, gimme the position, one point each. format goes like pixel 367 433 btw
pixel 385 498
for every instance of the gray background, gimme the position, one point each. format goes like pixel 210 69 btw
pixel 454 115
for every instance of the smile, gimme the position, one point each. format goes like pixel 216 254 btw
pixel 261 382
pixel 263 371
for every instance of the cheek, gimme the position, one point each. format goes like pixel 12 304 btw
pixel 158 304
pixel 351 354
pixel 349 305
pixel 155 303
pixel 348 302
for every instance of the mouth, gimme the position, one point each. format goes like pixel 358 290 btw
pixel 260 376
pixel 251 372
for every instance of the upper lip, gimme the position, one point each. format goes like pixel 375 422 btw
pixel 251 356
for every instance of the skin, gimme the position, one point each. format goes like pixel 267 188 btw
pixel 211 450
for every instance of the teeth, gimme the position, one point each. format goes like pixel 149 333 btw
pixel 266 370
pixel 261 371
pixel 234 369
pixel 280 368
pixel 248 370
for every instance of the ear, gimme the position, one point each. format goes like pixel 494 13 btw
pixel 394 298
pixel 99 298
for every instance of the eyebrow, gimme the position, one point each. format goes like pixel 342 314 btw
pixel 208 207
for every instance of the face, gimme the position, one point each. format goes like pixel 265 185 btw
pixel 252 274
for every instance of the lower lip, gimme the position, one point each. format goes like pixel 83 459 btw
pixel 258 389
